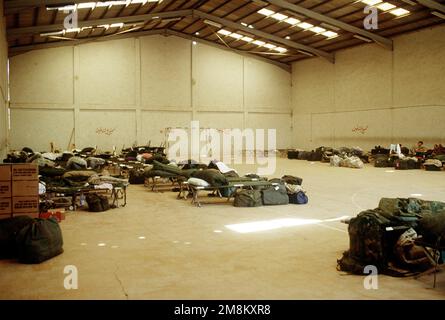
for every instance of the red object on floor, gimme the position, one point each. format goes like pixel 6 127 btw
pixel 59 215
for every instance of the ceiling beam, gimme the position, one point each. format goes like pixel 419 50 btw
pixel 433 5
pixel 17 5
pixel 74 42
pixel 22 49
pixel 234 25
pixel 385 42
pixel 129 19
pixel 187 36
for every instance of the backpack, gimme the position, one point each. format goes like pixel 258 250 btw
pixel 367 243
pixel 248 198
pixel 97 202
pixel 275 195
pixel 298 198
pixel 39 241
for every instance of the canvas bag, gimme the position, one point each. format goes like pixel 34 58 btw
pixel 275 195
pixel 248 198
pixel 97 202
pixel 39 241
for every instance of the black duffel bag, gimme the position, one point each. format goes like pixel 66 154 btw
pixel 8 229
pixel 303 155
pixel 97 202
pixel 401 164
pixel 39 241
pixel 381 161
pixel 292 154
pixel 314 156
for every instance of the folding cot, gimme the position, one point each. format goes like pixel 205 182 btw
pixel 233 185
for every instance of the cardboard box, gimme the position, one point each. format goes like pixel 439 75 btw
pixel 5 206
pixel 33 215
pixel 22 188
pixel 5 216
pixel 5 189
pixel 25 204
pixel 5 172
pixel 24 171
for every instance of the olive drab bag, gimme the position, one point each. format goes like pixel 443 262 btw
pixel 275 195
pixel 39 241
pixel 248 198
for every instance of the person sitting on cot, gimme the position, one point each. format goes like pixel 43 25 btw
pixel 419 148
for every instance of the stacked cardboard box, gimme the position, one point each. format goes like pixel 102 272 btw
pixel 25 190
pixel 19 190
pixel 5 191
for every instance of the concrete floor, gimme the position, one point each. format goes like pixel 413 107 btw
pixel 159 247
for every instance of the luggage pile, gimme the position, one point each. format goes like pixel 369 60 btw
pixel 347 162
pixel 314 155
pixel 394 236
pixel 287 190
pixel 64 177
pixel 430 160
pixel 345 157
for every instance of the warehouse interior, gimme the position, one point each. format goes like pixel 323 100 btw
pixel 353 92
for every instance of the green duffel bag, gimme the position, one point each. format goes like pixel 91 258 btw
pixel 248 198
pixel 39 241
pixel 275 195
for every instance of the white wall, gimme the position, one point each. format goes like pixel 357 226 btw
pixel 398 96
pixel 125 91
pixel 3 85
